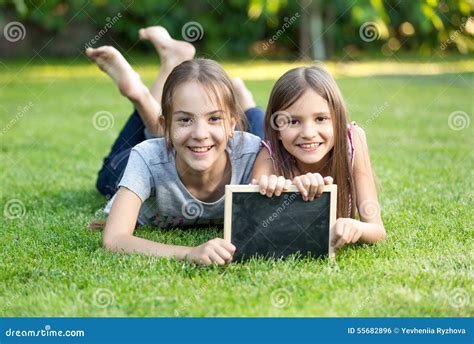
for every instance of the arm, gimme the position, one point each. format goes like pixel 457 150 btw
pixel 370 228
pixel 263 175
pixel 118 233
pixel 263 164
pixel 118 236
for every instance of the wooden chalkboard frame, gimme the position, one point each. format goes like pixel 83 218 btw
pixel 230 189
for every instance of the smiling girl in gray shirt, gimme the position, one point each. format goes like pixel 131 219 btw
pixel 178 179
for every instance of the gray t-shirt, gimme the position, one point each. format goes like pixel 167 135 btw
pixel 151 174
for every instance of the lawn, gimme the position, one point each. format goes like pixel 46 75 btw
pixel 51 264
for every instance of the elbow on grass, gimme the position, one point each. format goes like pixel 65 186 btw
pixel 110 242
pixel 382 234
pixel 377 235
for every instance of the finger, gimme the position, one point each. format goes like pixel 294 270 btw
pixel 297 182
pixel 254 181
pixel 279 186
pixel 345 235
pixel 352 233
pixel 263 183
pixel 272 181
pixel 306 183
pixel 356 237
pixel 215 258
pixel 313 188
pixel 223 253
pixel 338 230
pixel 203 261
pixel 227 245
pixel 347 232
pixel 287 184
pixel 320 188
pixel 339 243
pixel 328 180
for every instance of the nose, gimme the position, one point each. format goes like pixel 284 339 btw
pixel 308 130
pixel 201 130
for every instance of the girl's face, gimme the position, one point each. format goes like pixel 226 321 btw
pixel 308 134
pixel 198 131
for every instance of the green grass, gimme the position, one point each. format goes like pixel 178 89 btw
pixel 52 265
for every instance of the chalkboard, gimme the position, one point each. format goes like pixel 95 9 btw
pixel 278 226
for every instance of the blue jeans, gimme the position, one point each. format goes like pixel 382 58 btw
pixel 132 134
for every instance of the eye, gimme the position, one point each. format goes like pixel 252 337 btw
pixel 294 121
pixel 185 120
pixel 321 119
pixel 215 119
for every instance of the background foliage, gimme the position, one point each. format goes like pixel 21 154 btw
pixel 240 27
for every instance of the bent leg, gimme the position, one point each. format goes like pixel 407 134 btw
pixel 256 118
pixel 130 85
pixel 255 115
pixel 171 51
pixel 114 164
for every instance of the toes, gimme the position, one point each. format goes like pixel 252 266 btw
pixel 89 52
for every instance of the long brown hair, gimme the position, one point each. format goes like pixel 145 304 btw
pixel 216 81
pixel 287 90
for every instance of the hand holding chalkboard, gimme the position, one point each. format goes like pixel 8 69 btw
pixel 279 226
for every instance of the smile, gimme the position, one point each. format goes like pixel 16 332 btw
pixel 310 147
pixel 203 149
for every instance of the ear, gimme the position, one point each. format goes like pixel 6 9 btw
pixel 233 123
pixel 161 121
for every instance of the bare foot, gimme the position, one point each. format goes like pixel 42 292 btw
pixel 114 65
pixel 172 52
pixel 244 96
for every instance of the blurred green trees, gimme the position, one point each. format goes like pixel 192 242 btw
pixel 281 28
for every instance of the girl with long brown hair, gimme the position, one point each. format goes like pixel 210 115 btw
pixel 307 130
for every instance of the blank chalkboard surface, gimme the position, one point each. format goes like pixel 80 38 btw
pixel 278 226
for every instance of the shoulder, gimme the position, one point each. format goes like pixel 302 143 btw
pixel 153 151
pixel 243 143
pixel 357 135
pixel 361 157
